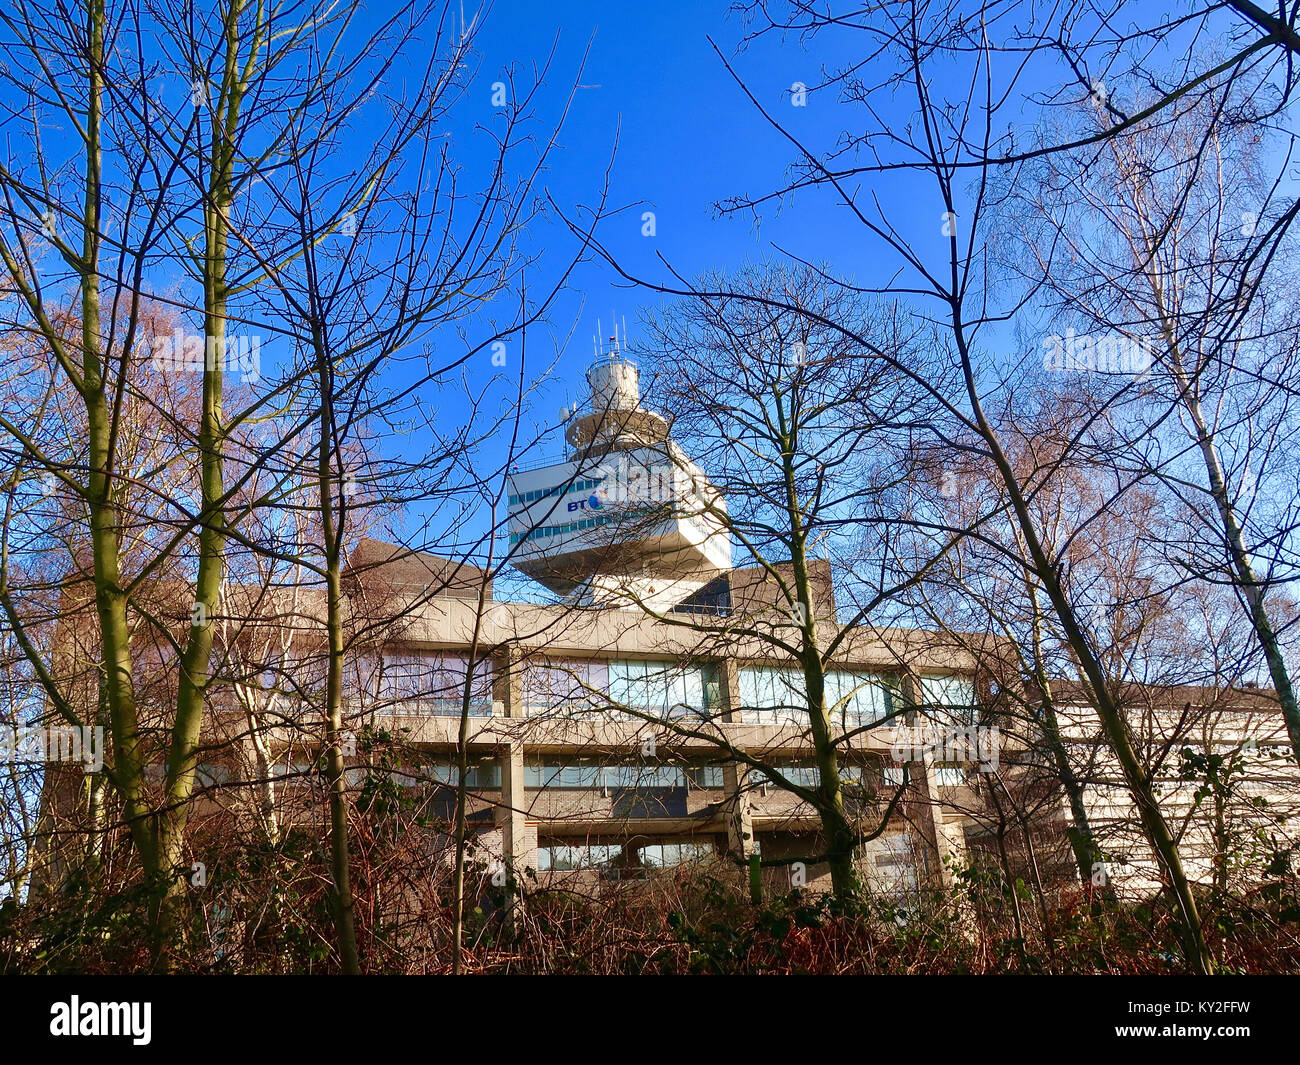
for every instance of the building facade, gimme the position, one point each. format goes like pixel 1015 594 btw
pixel 645 716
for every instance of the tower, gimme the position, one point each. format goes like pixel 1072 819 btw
pixel 625 518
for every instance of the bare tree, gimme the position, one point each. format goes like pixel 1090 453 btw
pixel 1172 241
pixel 958 146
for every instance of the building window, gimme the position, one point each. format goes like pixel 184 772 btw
pixel 628 689
pixel 705 776
pixel 662 689
pixel 773 696
pixel 209 775
pixel 564 857
pixel 944 776
pixel 478 774
pixel 854 700
pixel 428 685
pixel 779 697
pixel 805 774
pixel 665 855
pixel 298 767
pixel 569 688
pixel 553 773
pixel 954 694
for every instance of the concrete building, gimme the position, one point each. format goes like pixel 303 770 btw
pixel 640 722
pixel 618 730
pixel 604 738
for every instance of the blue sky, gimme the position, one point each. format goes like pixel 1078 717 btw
pixel 658 99
pixel 686 138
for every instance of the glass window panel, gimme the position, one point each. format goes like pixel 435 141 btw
pixel 664 689
pixel 211 775
pixel 569 687
pixel 547 773
pixel 627 683
pixel 707 776
pixel 361 677
pixel 957 694
pixel 432 684
pixel 947 691
pixel 773 696
pixel 711 679
pixel 856 699
pixel 807 775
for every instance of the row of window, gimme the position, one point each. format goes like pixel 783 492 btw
pixel 656 687
pixel 424 706
pixel 477 775
pixel 550 773
pixel 206 774
pixel 944 776
pixel 625 514
pixel 436 683
pixel 769 696
pixel 553 774
pixel 559 530
pixel 547 493
pixel 776 697
pixel 947 691
pixel 806 774
pixel 433 678
pixel 560 857
pixel 659 689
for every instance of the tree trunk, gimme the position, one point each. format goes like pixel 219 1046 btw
pixel 840 834
pixel 1188 919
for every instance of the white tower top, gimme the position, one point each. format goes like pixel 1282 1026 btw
pixel 627 519
pixel 615 384
pixel 616 421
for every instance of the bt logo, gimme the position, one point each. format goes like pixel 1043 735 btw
pixel 592 502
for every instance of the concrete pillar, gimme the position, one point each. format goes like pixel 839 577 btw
pixel 511 814
pixel 942 841
pixel 737 810
pixel 735 775
pixel 925 811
